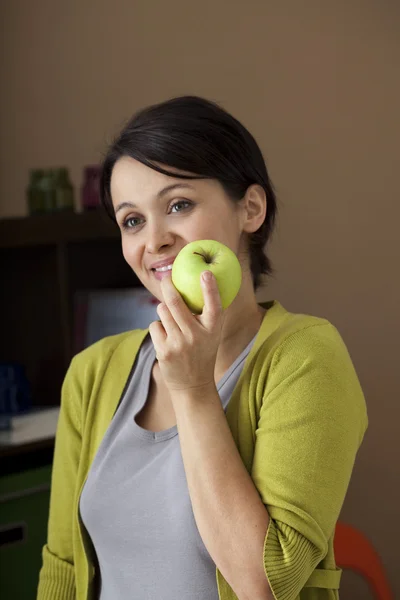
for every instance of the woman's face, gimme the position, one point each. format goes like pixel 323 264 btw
pixel 158 215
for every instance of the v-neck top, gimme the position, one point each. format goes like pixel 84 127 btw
pixel 135 504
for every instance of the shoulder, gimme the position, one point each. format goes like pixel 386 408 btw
pixel 284 332
pixel 307 363
pixel 104 365
pixel 98 356
pixel 305 349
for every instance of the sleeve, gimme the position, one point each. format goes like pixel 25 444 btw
pixel 57 575
pixel 311 424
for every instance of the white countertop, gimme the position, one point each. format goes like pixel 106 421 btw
pixel 31 427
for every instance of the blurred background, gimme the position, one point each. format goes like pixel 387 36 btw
pixel 318 85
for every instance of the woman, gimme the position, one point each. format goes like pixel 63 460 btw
pixel 209 455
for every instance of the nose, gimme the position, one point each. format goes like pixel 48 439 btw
pixel 158 236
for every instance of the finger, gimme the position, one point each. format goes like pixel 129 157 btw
pixel 176 305
pixel 170 326
pixel 158 336
pixel 212 310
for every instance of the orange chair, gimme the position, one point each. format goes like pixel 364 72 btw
pixel 354 551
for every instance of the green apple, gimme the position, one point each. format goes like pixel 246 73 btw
pixel 206 255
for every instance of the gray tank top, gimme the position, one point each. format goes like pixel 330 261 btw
pixel 135 504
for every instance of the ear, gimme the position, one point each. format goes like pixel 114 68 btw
pixel 254 208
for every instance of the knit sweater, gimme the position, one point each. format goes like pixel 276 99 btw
pixel 298 417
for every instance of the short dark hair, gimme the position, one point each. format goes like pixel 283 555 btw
pixel 196 135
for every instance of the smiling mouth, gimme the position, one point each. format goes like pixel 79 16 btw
pixel 163 272
pixel 163 269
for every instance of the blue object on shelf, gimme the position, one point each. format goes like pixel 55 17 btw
pixel 15 392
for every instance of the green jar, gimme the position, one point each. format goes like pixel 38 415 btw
pixel 34 192
pixel 64 192
pixel 47 190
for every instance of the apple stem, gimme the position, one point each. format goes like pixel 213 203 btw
pixel 207 259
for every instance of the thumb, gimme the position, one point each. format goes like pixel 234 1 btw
pixel 212 311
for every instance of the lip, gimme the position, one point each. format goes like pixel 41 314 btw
pixel 161 274
pixel 163 263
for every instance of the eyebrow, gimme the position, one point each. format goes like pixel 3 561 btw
pixel 160 194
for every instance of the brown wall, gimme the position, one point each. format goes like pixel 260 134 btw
pixel 318 84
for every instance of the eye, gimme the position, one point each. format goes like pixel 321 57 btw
pixel 126 223
pixel 181 202
pixel 129 222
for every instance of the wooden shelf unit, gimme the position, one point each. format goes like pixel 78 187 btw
pixel 44 260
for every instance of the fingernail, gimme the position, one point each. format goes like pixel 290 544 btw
pixel 206 275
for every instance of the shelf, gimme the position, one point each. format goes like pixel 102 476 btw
pixel 34 426
pixel 44 261
pixel 55 228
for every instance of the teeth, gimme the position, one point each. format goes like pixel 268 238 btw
pixel 167 268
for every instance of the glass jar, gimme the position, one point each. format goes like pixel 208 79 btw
pixel 47 190
pixel 90 193
pixel 34 193
pixel 63 190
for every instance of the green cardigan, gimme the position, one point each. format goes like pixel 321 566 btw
pixel 298 417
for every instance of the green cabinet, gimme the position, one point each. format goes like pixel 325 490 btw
pixel 24 509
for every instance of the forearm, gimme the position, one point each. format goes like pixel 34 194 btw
pixel 230 516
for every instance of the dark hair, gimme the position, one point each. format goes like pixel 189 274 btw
pixel 198 136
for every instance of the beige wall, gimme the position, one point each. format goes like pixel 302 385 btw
pixel 318 84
